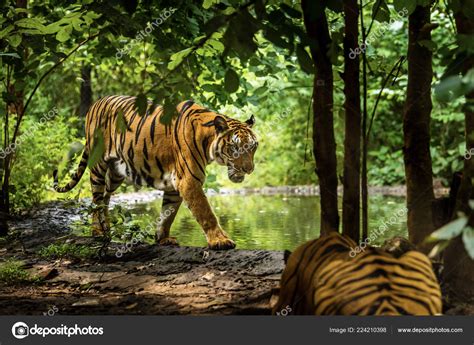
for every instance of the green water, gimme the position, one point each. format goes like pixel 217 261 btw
pixel 268 222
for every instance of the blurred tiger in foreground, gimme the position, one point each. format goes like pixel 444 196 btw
pixel 173 159
pixel 322 278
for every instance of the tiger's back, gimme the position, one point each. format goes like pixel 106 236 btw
pixel 322 278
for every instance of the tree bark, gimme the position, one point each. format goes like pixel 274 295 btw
pixel 416 129
pixel 324 144
pixel 459 267
pixel 86 90
pixel 351 180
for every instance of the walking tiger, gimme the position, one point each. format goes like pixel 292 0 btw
pixel 172 159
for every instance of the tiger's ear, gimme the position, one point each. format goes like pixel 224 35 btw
pixel 219 122
pixel 250 121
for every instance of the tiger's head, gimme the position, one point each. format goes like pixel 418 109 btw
pixel 234 146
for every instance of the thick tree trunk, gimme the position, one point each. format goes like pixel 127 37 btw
pixel 324 144
pixel 351 197
pixel 416 128
pixel 86 90
pixel 459 267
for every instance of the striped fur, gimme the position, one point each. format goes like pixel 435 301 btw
pixel 321 278
pixel 172 159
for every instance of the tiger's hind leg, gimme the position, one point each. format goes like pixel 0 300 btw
pixel 100 225
pixel 112 182
pixel 171 202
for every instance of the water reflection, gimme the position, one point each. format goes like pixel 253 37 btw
pixel 268 222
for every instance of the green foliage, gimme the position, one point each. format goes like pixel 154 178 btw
pixel 67 250
pixel 458 227
pixel 37 157
pixel 12 273
pixel 232 58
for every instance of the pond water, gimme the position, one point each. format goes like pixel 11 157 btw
pixel 274 222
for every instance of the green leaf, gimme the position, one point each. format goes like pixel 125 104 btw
pixel 304 59
pixel 471 204
pixel 169 110
pixel 121 123
pixel 62 35
pixel 31 23
pixel 14 40
pixel 231 81
pixel 14 55
pixel 178 57
pixel 405 6
pixel 141 104
pixel 438 248
pixel 208 3
pixel 449 231
pixel 6 31
pixel 468 239
pixel 449 88
pixel 98 148
pixel 380 11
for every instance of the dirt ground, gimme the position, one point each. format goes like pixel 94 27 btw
pixel 147 280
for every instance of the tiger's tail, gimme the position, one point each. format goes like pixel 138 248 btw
pixel 74 178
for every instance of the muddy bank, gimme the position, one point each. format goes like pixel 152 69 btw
pixel 146 280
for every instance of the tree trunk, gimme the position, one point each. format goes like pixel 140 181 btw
pixel 86 90
pixel 17 108
pixel 459 267
pixel 324 144
pixel 351 181
pixel 416 129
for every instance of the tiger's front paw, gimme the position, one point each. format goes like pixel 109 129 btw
pixel 168 241
pixel 221 244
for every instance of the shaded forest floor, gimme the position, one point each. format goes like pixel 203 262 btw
pixel 147 280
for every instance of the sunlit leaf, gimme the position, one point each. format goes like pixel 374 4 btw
pixel 449 231
pixel 14 40
pixel 178 57
pixel 62 35
pixel 468 240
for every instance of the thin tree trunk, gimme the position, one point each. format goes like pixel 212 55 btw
pixel 351 181
pixel 459 267
pixel 17 108
pixel 86 90
pixel 416 129
pixel 324 144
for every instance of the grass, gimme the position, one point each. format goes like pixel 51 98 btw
pixel 12 272
pixel 67 250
